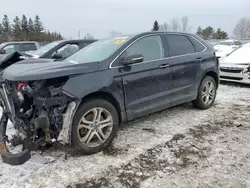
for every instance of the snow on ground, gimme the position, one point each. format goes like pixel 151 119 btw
pixel 178 147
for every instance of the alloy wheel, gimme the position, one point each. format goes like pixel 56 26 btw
pixel 208 92
pixel 95 127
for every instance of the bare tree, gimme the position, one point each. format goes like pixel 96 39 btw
pixel 164 27
pixel 114 33
pixel 185 27
pixel 242 28
pixel 175 24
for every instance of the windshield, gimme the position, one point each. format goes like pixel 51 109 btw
pixel 225 43
pixel 213 43
pixel 240 55
pixel 99 50
pixel 45 48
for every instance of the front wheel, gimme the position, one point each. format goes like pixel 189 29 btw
pixel 206 93
pixel 94 126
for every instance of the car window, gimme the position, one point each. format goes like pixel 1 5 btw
pixel 29 47
pixel 180 45
pixel 99 50
pixel 226 43
pixel 197 45
pixel 237 43
pixel 11 48
pixel 44 49
pixel 150 48
pixel 68 49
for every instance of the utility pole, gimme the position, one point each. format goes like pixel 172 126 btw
pixel 79 34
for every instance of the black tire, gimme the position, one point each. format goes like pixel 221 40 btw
pixel 84 108
pixel 199 102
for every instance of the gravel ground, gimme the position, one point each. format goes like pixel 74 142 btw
pixel 178 147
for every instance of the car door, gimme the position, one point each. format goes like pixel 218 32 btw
pixel 146 84
pixel 184 66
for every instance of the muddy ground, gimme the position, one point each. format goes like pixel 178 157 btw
pixel 178 147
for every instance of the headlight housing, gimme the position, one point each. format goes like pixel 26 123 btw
pixel 247 70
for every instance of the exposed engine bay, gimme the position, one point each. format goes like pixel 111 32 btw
pixel 40 98
pixel 38 111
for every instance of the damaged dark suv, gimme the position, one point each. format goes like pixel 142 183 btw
pixel 82 100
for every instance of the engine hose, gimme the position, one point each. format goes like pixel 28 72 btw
pixel 3 125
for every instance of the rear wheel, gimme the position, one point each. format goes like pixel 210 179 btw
pixel 206 94
pixel 94 126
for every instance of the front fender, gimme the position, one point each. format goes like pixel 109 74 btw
pixel 82 85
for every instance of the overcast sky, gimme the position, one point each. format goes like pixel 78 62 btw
pixel 99 17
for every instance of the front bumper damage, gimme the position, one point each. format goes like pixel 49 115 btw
pixel 43 121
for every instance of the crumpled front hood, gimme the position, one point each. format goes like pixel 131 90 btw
pixel 39 69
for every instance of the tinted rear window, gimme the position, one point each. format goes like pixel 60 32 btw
pixel 198 46
pixel 179 45
pixel 29 46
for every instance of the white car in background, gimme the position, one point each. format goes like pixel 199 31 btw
pixel 225 47
pixel 235 67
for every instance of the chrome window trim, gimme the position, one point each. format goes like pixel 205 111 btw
pixel 110 65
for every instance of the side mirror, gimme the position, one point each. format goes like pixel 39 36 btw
pixel 56 55
pixel 137 58
pixel 2 51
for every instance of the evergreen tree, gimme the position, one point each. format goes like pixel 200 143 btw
pixel 219 34
pixel 1 29
pixel 31 28
pixel 16 28
pixel 59 37
pixel 1 33
pixel 6 28
pixel 38 26
pixel 199 31
pixel 156 26
pixel 24 27
pixel 208 32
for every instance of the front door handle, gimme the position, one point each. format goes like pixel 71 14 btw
pixel 163 66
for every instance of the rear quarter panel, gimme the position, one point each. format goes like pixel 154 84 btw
pixel 209 64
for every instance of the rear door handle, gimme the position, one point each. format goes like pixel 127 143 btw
pixel 199 59
pixel 163 66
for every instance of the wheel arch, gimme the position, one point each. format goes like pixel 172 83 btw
pixel 214 75
pixel 106 96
